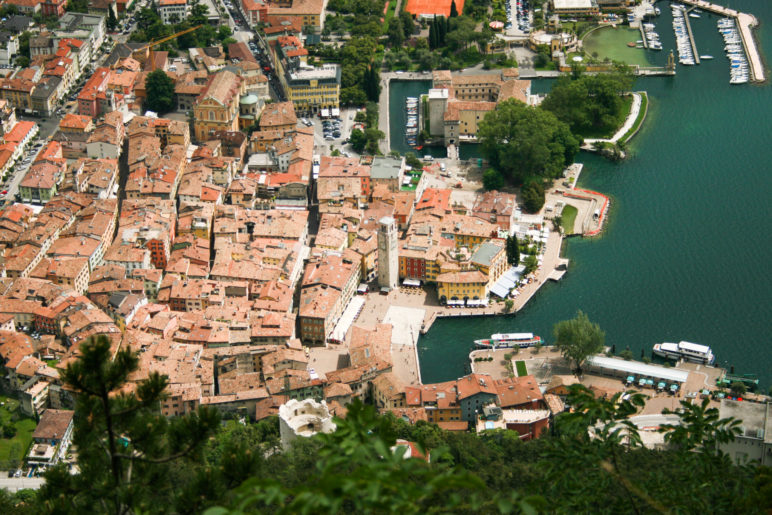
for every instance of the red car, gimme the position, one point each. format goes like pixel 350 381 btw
pixel 4 192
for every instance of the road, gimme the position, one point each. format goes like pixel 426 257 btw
pixel 246 34
pixel 14 484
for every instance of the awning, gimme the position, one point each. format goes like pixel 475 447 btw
pixel 499 291
pixel 325 113
pixel 411 282
pixel 630 379
pixel 347 318
pixel 335 112
pixel 455 303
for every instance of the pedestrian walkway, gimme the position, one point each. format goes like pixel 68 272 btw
pixel 635 108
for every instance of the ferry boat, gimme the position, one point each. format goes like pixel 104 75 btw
pixel 687 351
pixel 508 341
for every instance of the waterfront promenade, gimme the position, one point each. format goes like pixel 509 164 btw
pixel 635 109
pixel 744 23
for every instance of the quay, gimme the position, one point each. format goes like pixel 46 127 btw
pixel 691 37
pixel 643 36
pixel 744 23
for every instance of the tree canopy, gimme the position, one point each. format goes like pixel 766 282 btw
pixel 578 339
pixel 523 141
pixel 125 446
pixel 160 92
pixel 590 104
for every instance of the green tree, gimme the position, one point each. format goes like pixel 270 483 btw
pixel 408 25
pixel 360 470
pixel 700 428
pixel 433 42
pixel 224 32
pixel 413 162
pixel 590 104
pixel 523 141
pixel 508 305
pixel 22 61
pixel 531 263
pixel 492 180
pixel 533 196
pixel 373 136
pixel 112 21
pixel 77 6
pixel 160 92
pixel 125 446
pixel 738 389
pixel 24 44
pixel 358 140
pixel 453 9
pixel 396 33
pixel 513 250
pixel 578 339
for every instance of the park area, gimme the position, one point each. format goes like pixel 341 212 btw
pixel 611 42
pixel 16 431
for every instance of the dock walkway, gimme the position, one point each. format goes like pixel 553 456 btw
pixel 744 23
pixel 692 42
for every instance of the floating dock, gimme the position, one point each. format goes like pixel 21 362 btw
pixel 744 24
pixel 691 37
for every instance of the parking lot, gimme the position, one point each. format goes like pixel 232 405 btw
pixel 519 18
pixel 333 132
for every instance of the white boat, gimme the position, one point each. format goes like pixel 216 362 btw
pixel 706 57
pixel 687 351
pixel 693 15
pixel 508 341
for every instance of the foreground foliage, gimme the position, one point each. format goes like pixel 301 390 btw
pixel 132 460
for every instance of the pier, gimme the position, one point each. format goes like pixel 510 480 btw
pixel 744 24
pixel 691 37
pixel 643 36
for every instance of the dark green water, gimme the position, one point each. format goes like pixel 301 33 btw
pixel 685 253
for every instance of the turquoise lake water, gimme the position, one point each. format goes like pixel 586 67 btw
pixel 685 252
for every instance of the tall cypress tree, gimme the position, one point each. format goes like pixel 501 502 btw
pixel 513 250
pixel 432 36
pixel 441 23
pixel 453 10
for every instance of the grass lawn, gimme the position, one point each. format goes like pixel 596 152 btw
pixel 19 444
pixel 551 65
pixel 568 217
pixel 521 370
pixel 639 119
pixel 612 43
pixel 390 10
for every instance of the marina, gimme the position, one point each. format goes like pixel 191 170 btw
pixel 411 126
pixel 687 49
pixel 650 37
pixel 744 23
pixel 735 52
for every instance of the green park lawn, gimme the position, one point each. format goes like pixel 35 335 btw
pixel 612 43
pixel 521 370
pixel 17 446
pixel 568 216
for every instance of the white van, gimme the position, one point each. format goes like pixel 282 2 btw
pixel 428 158
pixel 442 167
